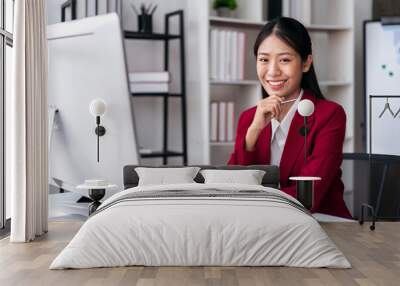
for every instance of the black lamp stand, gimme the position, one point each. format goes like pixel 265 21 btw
pixel 100 131
pixel 303 132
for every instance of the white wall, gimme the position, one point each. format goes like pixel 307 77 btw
pixel 363 11
pixel 197 29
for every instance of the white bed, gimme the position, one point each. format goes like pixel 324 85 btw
pixel 185 230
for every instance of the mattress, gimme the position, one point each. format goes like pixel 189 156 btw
pixel 201 225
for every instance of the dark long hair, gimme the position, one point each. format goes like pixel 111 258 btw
pixel 293 33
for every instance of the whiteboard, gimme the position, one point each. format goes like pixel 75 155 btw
pixel 86 61
pixel 382 78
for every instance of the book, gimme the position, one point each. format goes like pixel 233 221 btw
pixel 241 54
pixel 228 56
pixel 214 121
pixel 222 121
pixel 145 151
pixel 286 8
pixel 305 13
pixel 214 54
pixel 146 77
pixel 221 55
pixel 230 121
pixel 235 54
pixel 149 87
pixel 96 183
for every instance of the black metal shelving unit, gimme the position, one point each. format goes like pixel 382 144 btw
pixel 167 37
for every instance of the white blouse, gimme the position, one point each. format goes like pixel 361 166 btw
pixel 280 131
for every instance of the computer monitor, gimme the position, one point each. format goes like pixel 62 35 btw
pixel 87 61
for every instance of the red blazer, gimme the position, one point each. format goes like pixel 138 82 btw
pixel 325 138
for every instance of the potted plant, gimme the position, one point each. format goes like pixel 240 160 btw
pixel 225 8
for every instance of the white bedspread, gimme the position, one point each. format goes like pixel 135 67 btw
pixel 200 231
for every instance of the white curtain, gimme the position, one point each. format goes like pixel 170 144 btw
pixel 27 123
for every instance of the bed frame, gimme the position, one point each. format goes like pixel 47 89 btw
pixel 270 179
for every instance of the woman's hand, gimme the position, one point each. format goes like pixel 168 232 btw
pixel 267 108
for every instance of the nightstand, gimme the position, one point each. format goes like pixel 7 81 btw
pixel 96 193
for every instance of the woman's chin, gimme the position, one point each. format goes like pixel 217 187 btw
pixel 280 92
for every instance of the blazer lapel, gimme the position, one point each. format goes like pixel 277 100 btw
pixel 295 142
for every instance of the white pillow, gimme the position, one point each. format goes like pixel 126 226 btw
pixel 248 177
pixel 162 176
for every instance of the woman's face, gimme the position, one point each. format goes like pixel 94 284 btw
pixel 280 68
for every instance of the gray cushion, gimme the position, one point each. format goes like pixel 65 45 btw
pixel 270 179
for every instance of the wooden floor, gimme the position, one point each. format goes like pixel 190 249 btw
pixel 374 255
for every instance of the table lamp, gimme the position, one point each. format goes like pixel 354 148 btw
pixel 305 184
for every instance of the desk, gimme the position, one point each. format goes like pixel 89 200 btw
pixel 387 161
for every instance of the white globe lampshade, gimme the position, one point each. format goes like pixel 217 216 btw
pixel 97 107
pixel 305 107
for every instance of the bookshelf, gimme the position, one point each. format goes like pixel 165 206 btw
pixel 331 27
pixel 244 92
pixel 166 37
pixel 330 24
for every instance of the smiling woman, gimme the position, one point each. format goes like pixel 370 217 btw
pixel 269 132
